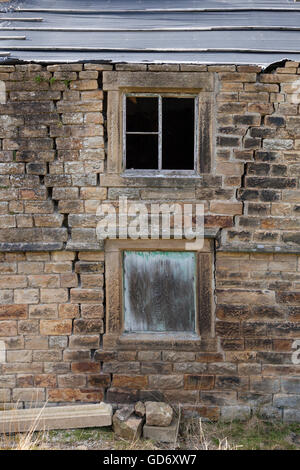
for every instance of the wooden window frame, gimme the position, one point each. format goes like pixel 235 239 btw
pixel 160 170
pixel 200 85
pixel 115 337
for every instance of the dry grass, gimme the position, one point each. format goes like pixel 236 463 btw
pixel 29 440
pixel 253 434
pixel 199 435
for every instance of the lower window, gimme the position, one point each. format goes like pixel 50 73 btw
pixel 159 291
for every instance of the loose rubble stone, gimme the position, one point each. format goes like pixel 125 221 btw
pixel 129 428
pixel 162 433
pixel 140 409
pixel 125 412
pixel 158 413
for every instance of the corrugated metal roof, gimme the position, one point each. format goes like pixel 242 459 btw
pixel 197 31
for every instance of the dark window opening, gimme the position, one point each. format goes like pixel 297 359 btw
pixel 140 150
pixel 159 133
pixel 177 134
pixel 141 114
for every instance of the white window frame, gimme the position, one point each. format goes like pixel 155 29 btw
pixel 160 171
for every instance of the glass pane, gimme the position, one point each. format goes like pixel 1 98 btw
pixel 159 291
pixel 178 133
pixel 141 152
pixel 141 114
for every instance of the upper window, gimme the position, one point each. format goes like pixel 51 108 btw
pixel 159 123
pixel 159 131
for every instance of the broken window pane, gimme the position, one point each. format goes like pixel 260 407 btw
pixel 142 151
pixel 178 133
pixel 159 291
pixel 141 114
pixel 159 133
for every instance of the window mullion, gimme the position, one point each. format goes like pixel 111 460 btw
pixel 159 132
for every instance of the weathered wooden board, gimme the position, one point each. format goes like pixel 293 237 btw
pixel 159 291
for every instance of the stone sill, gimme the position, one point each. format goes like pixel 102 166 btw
pixel 155 340
pixel 159 336
pixel 161 174
pixel 259 248
pixel 12 247
pixel 177 341
pixel 158 181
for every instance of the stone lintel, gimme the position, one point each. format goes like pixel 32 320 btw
pixel 158 80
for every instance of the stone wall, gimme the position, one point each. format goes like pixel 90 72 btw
pixel 52 178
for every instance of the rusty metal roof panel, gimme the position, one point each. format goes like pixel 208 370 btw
pixel 197 31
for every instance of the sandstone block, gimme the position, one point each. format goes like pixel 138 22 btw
pixel 13 312
pixel 30 395
pixel 72 395
pixel 165 382
pixel 130 381
pixel 43 311
pixel 85 367
pixel 130 429
pixel 198 382
pixel 236 412
pixel 162 433
pixel 54 295
pixel 68 311
pixel 98 380
pixel 8 328
pixel 84 341
pixel 55 327
pixel 140 409
pixel 26 296
pixel 291 415
pixel 158 414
